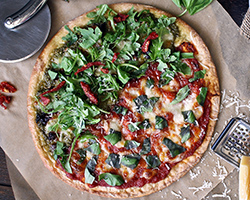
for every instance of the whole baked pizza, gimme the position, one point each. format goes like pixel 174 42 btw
pixel 123 100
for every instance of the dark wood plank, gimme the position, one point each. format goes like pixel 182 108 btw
pixel 4 176
pixel 6 193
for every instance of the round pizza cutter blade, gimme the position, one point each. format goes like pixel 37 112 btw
pixel 21 34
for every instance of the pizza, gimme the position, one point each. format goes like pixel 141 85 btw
pixel 123 100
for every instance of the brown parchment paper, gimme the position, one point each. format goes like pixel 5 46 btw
pixel 230 53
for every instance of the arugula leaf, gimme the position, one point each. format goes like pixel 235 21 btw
pixel 160 122
pixel 131 144
pixel 113 137
pixel 94 148
pixel 166 77
pixel 153 161
pixel 86 136
pixel 181 67
pixel 98 15
pixel 131 161
pixel 202 96
pixel 162 66
pixel 89 36
pixel 120 110
pixel 71 37
pixel 113 160
pixel 150 83
pixel 174 148
pixel 111 179
pixel 185 133
pixel 122 75
pixel 146 146
pixel 189 116
pixel 198 75
pixel 181 94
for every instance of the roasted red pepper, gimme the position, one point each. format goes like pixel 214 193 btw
pixel 7 87
pixel 92 97
pixel 4 99
pixel 115 57
pixel 105 70
pixel 45 100
pixel 88 65
pixel 120 18
pixel 146 43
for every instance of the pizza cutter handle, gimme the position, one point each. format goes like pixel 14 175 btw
pixel 24 14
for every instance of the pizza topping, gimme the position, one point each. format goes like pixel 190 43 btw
pixel 146 43
pixel 145 104
pixel 111 179
pixel 88 65
pixel 113 137
pixel 115 57
pixel 182 94
pixel 185 133
pixel 198 75
pixel 120 110
pixel 7 87
pixel 146 146
pixel 58 87
pixel 160 122
pixel 189 116
pixel 174 148
pixel 202 96
pixel 92 97
pixel 131 144
pixel 153 161
pixel 114 160
pixel 120 18
pixel 89 170
pixel 131 161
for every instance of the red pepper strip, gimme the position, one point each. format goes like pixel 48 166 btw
pixel 88 65
pixel 45 100
pixel 89 93
pixel 115 57
pixel 120 18
pixel 105 70
pixel 4 99
pixel 6 87
pixel 58 87
pixel 146 43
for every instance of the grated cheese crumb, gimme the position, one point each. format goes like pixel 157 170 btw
pixel 219 171
pixel 224 194
pixel 194 175
pixel 206 185
pixel 178 195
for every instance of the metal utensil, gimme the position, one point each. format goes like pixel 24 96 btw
pixel 233 142
pixel 23 33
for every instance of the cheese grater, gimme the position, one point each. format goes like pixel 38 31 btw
pixel 234 141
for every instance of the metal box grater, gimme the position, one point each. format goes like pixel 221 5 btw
pixel 234 141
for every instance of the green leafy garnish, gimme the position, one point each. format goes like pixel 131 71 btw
pixel 146 146
pixel 113 137
pixel 174 148
pixel 86 136
pixel 133 126
pixel 160 122
pixel 202 96
pixel 94 148
pixel 52 74
pixel 198 75
pixel 189 116
pixel 89 36
pixel 144 124
pixel 143 104
pixel 89 170
pixel 153 161
pixel 120 110
pixel 166 77
pixel 185 133
pixel 111 179
pixel 131 144
pixel 131 161
pixel 82 154
pixel 114 160
pixel 181 94
pixel 150 83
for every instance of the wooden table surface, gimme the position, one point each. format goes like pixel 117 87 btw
pixel 236 9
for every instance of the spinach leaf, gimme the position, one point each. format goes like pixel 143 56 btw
pixel 153 161
pixel 86 136
pixel 181 94
pixel 202 96
pixel 131 144
pixel 111 179
pixel 146 146
pixel 94 148
pixel 174 148
pixel 185 133
pixel 120 110
pixel 198 75
pixel 114 160
pixel 82 154
pixel 90 169
pixel 143 104
pixel 113 137
pixel 189 116
pixel 160 122
pixel 150 83
pixel 131 161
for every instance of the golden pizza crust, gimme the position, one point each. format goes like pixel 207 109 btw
pixel 179 170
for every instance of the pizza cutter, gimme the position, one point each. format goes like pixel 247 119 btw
pixel 23 30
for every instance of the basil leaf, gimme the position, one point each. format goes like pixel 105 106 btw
pixel 174 148
pixel 131 144
pixel 145 124
pixel 202 96
pixel 143 104
pixel 111 179
pixel 133 126
pixel 178 3
pixel 166 77
pixel 113 137
pixel 52 74
pixel 198 75
pixel 181 67
pixel 160 122
pixel 86 136
pixel 150 83
pixel 131 161
pixel 82 154
pixel 153 161
pixel 187 55
pixel 185 133
pixel 181 94
pixel 197 6
pixel 113 160
pixel 189 116
pixel 146 146
pixel 89 170
pixel 120 110
pixel 94 148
